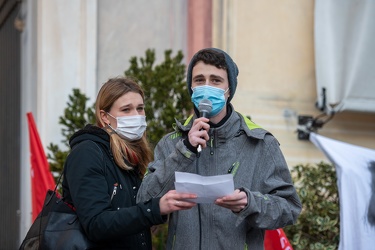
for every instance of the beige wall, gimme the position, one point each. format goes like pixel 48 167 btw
pixel 272 43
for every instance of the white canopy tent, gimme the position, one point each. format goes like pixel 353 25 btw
pixel 345 55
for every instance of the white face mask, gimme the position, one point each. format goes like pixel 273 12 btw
pixel 130 127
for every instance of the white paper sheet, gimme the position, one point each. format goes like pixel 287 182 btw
pixel 207 188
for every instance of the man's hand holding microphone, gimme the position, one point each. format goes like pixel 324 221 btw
pixel 198 134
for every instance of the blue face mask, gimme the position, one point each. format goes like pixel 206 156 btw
pixel 215 95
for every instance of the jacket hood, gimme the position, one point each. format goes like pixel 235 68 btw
pixel 232 71
pixel 90 132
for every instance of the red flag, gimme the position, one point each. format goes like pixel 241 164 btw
pixel 276 240
pixel 41 177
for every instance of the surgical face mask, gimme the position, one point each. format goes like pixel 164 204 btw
pixel 130 127
pixel 215 95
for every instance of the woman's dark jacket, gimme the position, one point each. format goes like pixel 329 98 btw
pixel 105 195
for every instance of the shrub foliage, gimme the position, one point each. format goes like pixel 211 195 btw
pixel 318 226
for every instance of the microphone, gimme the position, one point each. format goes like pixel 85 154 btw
pixel 204 108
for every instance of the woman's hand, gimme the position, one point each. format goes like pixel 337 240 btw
pixel 173 201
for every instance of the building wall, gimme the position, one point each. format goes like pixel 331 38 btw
pixel 80 44
pixel 128 28
pixel 272 43
pixel 199 26
pixel 10 84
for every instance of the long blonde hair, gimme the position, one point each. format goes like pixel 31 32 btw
pixel 137 153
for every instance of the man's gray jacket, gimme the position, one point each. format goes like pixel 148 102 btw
pixel 258 166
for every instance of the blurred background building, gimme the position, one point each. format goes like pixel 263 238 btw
pixel 297 68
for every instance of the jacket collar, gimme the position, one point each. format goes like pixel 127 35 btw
pixel 235 125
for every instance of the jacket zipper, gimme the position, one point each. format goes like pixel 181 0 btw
pixel 211 142
pixel 114 190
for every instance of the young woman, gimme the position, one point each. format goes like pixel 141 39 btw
pixel 105 169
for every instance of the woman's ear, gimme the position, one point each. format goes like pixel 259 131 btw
pixel 104 118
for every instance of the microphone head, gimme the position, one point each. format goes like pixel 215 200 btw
pixel 205 107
